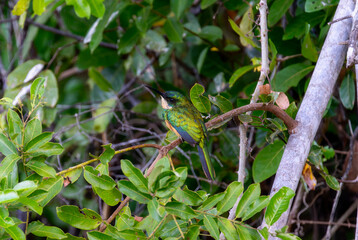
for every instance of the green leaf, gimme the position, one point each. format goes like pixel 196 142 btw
pixel 180 209
pixel 328 152
pixel 85 219
pixel 73 175
pixel 221 102
pixel 292 110
pixel 174 30
pixel 290 76
pixel 52 186
pixel 19 75
pixel 227 229
pixel 201 59
pixel 37 90
pixel 131 191
pixel 128 40
pixel 155 210
pixel 232 192
pixel 246 26
pixel 8 195
pixel 82 7
pixel 244 233
pixel 48 149
pixel 264 233
pixel 37 228
pixel 95 33
pixel 135 176
pixel 251 194
pixel 14 126
pixel 277 10
pixel 244 118
pixel 98 78
pixel 132 234
pixel 15 232
pixel 31 204
pixel 20 7
pixel 308 49
pixel 178 7
pixel 38 6
pixel 278 204
pixel 6 146
pixel 95 235
pixel 6 221
pixel 211 33
pixel 332 182
pixel 168 182
pixel 143 21
pixel 255 207
pixel 287 236
pixel 193 232
pixel 33 129
pixel 108 154
pixel 25 188
pixel 211 225
pixel 100 181
pixel 110 197
pixel 50 96
pixel 267 161
pixel 8 164
pixel 201 102
pixel 242 34
pixel 97 8
pixel 211 201
pixel 206 3
pixel 38 141
pixel 41 168
pixel 187 197
pixel 314 6
pixel 347 92
pixel 103 115
pixel 239 72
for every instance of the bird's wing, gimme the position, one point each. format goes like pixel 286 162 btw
pixel 189 129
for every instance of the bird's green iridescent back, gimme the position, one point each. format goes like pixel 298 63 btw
pixel 187 117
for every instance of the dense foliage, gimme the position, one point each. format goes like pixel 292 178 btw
pixel 74 107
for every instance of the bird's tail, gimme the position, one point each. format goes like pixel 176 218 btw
pixel 206 161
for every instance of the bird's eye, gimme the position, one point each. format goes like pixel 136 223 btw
pixel 172 100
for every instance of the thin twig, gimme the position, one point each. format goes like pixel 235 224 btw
pixel 312 222
pixel 67 34
pixel 116 152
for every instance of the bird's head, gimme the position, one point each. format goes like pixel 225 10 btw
pixel 170 99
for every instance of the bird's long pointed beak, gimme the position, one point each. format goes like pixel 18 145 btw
pixel 155 90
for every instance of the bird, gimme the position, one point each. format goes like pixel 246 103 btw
pixel 182 117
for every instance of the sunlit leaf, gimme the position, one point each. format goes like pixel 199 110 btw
pixel 85 219
pixel 180 210
pixel 278 204
pixel 232 192
pixel 201 102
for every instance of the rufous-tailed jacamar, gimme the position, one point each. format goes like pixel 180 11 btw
pixel 186 122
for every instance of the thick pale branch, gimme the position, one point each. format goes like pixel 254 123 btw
pixel 313 105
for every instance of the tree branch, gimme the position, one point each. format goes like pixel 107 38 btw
pixel 313 106
pixel 67 34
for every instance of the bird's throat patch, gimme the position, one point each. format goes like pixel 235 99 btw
pixel 165 104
